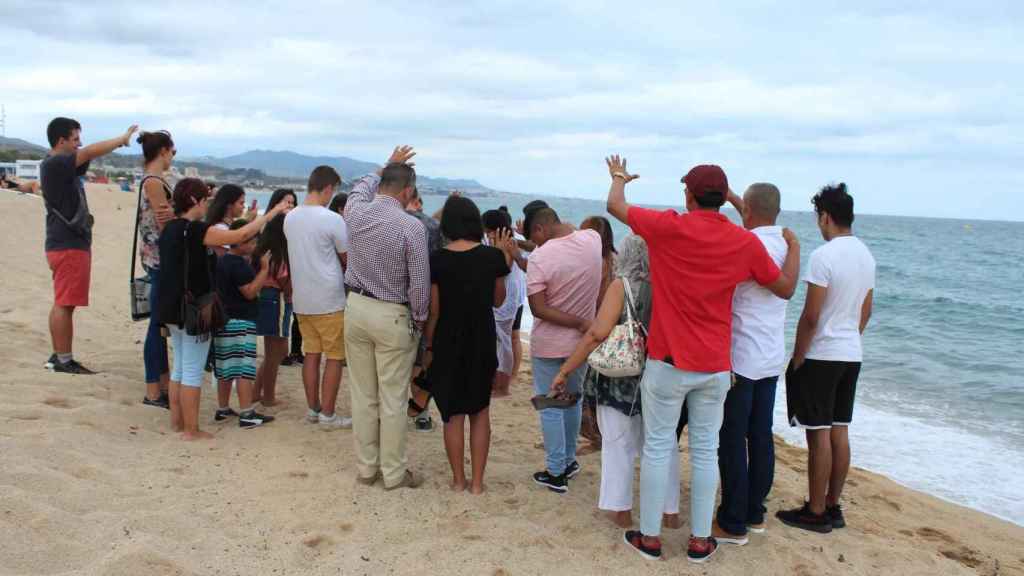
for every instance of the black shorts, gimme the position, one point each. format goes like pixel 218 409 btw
pixel 519 319
pixel 820 394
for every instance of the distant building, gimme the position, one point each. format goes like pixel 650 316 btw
pixel 192 172
pixel 8 169
pixel 27 169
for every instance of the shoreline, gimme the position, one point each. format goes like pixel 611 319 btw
pixel 98 480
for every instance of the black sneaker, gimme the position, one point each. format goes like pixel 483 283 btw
pixel 161 402
pixel 71 367
pixel 287 360
pixel 835 514
pixel 423 424
pixel 224 414
pixel 635 540
pixel 572 470
pixel 252 419
pixel 804 519
pixel 700 550
pixel 50 362
pixel 554 483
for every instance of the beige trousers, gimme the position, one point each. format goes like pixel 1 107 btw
pixel 380 347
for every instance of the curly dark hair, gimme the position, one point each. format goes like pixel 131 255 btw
pixel 835 201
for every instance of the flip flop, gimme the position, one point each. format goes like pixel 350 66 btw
pixel 543 402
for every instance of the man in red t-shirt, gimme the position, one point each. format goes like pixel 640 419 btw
pixel 697 259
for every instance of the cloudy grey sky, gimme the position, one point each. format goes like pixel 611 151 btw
pixel 916 105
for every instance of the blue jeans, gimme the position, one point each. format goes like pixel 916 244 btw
pixel 746 453
pixel 663 390
pixel 154 351
pixel 189 357
pixel 560 426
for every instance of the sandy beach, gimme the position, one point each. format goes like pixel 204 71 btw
pixel 93 482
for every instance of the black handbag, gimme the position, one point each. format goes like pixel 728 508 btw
pixel 203 315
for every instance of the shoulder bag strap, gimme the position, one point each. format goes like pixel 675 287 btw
pixel 630 306
pixel 135 238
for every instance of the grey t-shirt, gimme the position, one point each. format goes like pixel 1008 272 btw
pixel 63 192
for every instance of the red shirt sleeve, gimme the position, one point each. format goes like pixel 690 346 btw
pixel 645 222
pixel 762 267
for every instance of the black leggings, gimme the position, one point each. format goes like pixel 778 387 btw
pixel 296 337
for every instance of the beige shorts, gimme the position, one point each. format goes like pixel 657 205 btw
pixel 323 334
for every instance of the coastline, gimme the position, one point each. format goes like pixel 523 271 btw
pixel 98 480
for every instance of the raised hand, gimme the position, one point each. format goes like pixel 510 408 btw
pixel 128 134
pixel 790 237
pixel 253 210
pixel 617 168
pixel 402 155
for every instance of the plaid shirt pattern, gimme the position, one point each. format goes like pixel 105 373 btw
pixel 387 249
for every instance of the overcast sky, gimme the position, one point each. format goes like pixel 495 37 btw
pixel 916 105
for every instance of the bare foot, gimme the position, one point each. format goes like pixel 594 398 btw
pixel 197 435
pixel 671 521
pixel 268 402
pixel 477 489
pixel 457 485
pixel 623 519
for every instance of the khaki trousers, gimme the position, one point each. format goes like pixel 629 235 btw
pixel 380 347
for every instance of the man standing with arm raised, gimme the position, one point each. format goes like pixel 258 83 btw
pixel 69 230
pixel 697 259
pixel 388 278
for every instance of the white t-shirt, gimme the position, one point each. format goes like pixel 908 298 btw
pixel 759 318
pixel 316 236
pixel 844 266
pixel 515 294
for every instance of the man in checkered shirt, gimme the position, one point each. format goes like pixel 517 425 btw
pixel 388 278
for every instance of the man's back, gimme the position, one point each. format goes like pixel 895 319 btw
pixel 846 268
pixel 568 271
pixel 61 189
pixel 315 238
pixel 759 318
pixel 697 259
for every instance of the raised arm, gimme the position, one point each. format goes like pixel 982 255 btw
pixel 97 149
pixel 785 285
pixel 808 324
pixel 218 237
pixel 736 200
pixel 607 317
pixel 617 205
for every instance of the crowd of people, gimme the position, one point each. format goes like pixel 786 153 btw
pixel 423 308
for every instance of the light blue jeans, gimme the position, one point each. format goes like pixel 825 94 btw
pixel 559 426
pixel 663 390
pixel 189 357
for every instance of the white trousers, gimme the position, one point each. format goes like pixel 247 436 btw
pixel 622 441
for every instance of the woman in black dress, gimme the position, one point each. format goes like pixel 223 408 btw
pixel 467 281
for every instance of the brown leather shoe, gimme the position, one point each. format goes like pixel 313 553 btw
pixel 410 480
pixel 369 481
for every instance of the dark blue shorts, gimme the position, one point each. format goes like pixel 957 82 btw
pixel 275 314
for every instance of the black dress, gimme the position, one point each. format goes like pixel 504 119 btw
pixel 465 345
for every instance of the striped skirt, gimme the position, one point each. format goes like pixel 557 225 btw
pixel 234 351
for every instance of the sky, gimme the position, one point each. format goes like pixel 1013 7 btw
pixel 917 106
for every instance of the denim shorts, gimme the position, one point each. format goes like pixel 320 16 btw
pixel 275 317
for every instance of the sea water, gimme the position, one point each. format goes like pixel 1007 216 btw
pixel 940 401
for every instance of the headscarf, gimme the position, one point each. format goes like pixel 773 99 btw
pixel 632 261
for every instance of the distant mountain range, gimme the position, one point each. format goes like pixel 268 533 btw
pixel 287 164
pixel 278 164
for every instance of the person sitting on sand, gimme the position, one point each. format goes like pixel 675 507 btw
pixel 234 345
pixel 746 447
pixel 187 268
pixel 562 283
pixel 69 231
pixel 697 259
pixel 155 211
pixel 467 281
pixel 821 380
pixel 498 224
pixel 275 309
pixel 618 399
pixel 317 247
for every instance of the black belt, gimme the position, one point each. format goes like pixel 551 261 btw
pixel 368 294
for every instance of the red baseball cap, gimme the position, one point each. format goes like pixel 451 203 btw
pixel 706 178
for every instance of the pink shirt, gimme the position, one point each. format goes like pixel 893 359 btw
pixel 568 271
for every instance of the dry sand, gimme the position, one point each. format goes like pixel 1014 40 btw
pixel 92 482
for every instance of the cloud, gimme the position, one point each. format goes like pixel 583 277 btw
pixel 531 97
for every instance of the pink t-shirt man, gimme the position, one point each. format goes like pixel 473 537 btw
pixel 568 270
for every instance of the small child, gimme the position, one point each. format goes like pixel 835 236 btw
pixel 234 346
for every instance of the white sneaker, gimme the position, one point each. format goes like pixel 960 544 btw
pixel 336 422
pixel 312 416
